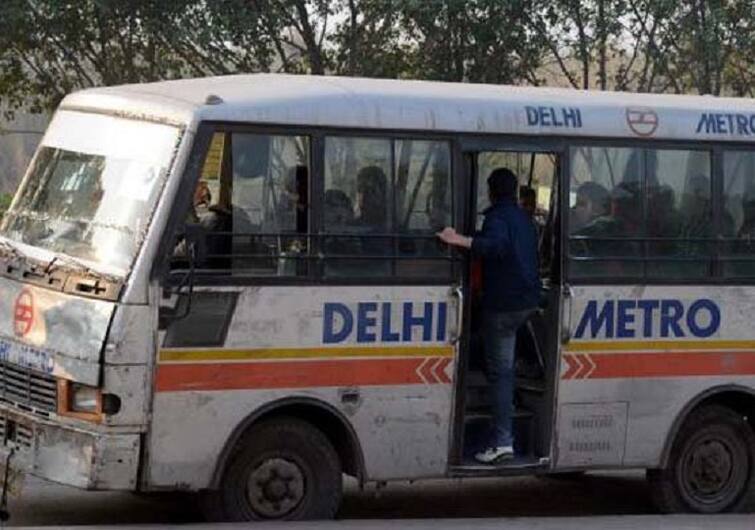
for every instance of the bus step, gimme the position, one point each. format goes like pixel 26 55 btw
pixel 472 415
pixel 530 385
pixel 471 467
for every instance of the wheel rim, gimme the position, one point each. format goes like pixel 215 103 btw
pixel 710 474
pixel 275 488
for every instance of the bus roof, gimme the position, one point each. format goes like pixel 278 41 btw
pixel 426 106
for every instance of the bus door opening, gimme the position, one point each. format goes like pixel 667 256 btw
pixel 536 359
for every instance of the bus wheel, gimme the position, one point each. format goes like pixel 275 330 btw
pixel 711 467
pixel 284 468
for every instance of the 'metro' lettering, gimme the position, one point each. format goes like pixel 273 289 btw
pixel 627 319
pixel 727 123
pixel 379 322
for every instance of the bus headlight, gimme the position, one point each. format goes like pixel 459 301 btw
pixel 80 401
pixel 85 398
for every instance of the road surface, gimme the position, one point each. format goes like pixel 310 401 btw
pixel 542 503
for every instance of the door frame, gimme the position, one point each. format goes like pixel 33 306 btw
pixel 468 147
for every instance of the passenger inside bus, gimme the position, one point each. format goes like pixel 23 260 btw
pixel 372 216
pixel 592 202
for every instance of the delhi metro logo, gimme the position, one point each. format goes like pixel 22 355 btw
pixel 642 120
pixel 23 313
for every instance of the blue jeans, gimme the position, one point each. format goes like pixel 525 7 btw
pixel 499 334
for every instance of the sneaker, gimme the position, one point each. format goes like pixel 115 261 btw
pixel 495 455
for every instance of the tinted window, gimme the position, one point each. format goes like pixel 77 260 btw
pixel 250 208
pixel 739 212
pixel 384 199
pixel 640 212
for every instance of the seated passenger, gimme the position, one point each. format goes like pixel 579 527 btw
pixel 610 236
pixel 664 220
pixel 592 202
pixel 372 204
pixel 664 225
pixel 292 204
pixel 697 224
pixel 528 203
pixel 339 219
pixel 744 247
pixel 372 199
pixel 292 210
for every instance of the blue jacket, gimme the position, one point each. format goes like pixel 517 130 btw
pixel 507 245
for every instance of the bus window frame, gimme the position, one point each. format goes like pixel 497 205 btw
pixel 316 135
pixel 714 277
pixel 461 144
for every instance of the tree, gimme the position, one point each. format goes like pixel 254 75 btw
pixel 369 40
pixel 482 41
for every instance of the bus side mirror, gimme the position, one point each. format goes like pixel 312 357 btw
pixel 180 280
pixel 196 239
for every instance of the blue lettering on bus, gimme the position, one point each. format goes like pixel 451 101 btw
pixel 331 332
pixel 559 117
pixel 629 319
pixel 727 123
pixel 371 322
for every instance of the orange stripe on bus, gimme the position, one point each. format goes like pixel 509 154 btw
pixel 670 364
pixel 302 374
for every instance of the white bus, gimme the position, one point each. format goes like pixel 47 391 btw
pixel 233 286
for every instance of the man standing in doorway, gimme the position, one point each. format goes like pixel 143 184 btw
pixel 507 245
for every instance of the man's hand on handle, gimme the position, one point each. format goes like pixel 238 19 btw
pixel 449 236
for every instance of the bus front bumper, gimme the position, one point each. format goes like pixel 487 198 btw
pixel 67 455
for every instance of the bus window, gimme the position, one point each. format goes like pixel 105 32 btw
pixel 270 203
pixel 383 201
pixel 679 218
pixel 356 206
pixel 251 204
pixel 640 212
pixel 739 207
pixel 423 206
pixel 605 211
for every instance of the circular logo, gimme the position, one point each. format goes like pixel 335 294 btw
pixel 642 120
pixel 23 313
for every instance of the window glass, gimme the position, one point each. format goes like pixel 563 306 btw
pixel 270 203
pixel 739 212
pixel 636 212
pixel 423 205
pixel 605 211
pixel 251 205
pixel 534 170
pixel 382 202
pixel 357 212
pixel 92 187
pixel 679 213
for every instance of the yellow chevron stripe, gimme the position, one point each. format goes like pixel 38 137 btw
pixel 193 355
pixel 659 345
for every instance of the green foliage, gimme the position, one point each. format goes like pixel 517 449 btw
pixel 5 200
pixel 49 48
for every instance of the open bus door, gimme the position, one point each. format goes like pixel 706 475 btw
pixel 538 341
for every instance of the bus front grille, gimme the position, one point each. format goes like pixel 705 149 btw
pixel 27 389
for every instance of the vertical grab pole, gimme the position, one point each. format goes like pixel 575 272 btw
pixel 568 294
pixel 458 293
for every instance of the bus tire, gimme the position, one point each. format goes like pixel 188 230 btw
pixel 283 468
pixel 711 467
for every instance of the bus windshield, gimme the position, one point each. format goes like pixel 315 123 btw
pixel 92 187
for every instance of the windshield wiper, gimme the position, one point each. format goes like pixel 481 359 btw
pixel 73 263
pixel 9 250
